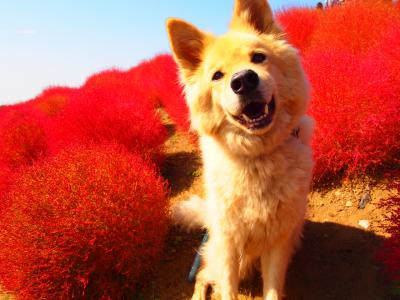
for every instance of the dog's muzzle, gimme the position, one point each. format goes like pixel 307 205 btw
pixel 257 115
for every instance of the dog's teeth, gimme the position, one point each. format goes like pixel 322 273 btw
pixel 266 110
pixel 246 118
pixel 260 118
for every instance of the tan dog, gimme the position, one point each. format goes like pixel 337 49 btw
pixel 247 92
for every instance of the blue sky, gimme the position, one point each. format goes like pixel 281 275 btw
pixel 61 42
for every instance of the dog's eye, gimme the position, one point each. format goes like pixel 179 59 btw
pixel 258 58
pixel 217 76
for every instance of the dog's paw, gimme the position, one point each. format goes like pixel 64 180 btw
pixel 200 291
pixel 272 294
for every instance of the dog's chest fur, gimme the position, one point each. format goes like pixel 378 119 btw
pixel 256 200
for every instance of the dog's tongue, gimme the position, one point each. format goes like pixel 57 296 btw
pixel 254 110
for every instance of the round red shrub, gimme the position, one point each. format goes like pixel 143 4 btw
pixel 107 79
pixel 144 79
pixel 356 27
pixel 106 114
pixel 388 53
pixel 52 100
pixel 125 83
pixel 4 175
pixel 159 80
pixel 5 181
pixel 356 110
pixel 85 224
pixel 143 88
pixel 299 24
pixel 164 69
pixel 22 136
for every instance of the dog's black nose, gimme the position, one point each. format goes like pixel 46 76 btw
pixel 244 81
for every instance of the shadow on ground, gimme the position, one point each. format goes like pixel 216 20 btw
pixel 180 169
pixel 171 129
pixel 335 262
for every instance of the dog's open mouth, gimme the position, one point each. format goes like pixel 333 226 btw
pixel 257 115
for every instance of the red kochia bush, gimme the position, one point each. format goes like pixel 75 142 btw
pixel 299 24
pixel 107 79
pixel 5 181
pixel 159 77
pixel 356 110
pixel 155 80
pixel 388 53
pixel 127 83
pixel 86 224
pixel 121 83
pixel 52 100
pixel 114 113
pixel 356 27
pixel 22 136
pixel 4 175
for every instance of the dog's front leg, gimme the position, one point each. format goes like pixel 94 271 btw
pixel 221 264
pixel 274 264
pixel 201 285
pixel 229 268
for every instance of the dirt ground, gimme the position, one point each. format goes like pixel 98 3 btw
pixel 335 260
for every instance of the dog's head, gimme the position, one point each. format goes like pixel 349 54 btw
pixel 247 87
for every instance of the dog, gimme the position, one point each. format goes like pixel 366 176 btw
pixel 247 94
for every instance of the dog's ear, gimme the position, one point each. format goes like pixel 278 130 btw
pixel 187 44
pixel 253 14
